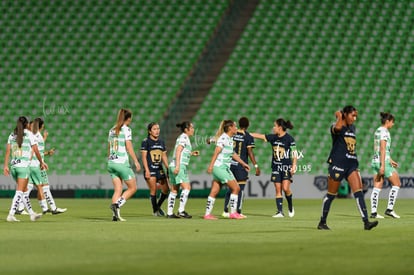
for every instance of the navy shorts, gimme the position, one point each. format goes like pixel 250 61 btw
pixel 241 175
pixel 279 176
pixel 340 172
pixel 159 174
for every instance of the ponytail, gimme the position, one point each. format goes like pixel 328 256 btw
pixel 123 115
pixel 223 128
pixel 183 125
pixel 284 124
pixel 385 117
pixel 19 130
pixel 37 125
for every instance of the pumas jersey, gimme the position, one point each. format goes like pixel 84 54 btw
pixel 242 140
pixel 154 149
pixel 343 145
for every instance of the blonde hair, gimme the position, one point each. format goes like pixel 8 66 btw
pixel 123 115
pixel 223 128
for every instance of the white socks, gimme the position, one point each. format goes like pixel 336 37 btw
pixel 120 202
pixel 233 203
pixel 210 205
pixel 392 197
pixel 49 197
pixel 183 200
pixel 171 203
pixel 374 199
pixel 18 197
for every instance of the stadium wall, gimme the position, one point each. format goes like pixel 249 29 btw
pixel 304 186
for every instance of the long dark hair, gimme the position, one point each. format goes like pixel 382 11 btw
pixel 37 125
pixel 123 115
pixel 183 125
pixel 284 124
pixel 19 130
pixel 149 127
pixel 385 117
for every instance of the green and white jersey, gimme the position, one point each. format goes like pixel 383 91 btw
pixel 41 146
pixel 224 158
pixel 381 133
pixel 184 141
pixel 117 148
pixel 20 157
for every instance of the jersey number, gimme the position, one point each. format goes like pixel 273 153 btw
pixel 114 145
pixel 16 151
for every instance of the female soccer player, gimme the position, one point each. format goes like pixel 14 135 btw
pixel 119 146
pixel 154 155
pixel 284 158
pixel 343 164
pixel 20 145
pixel 178 170
pixel 220 167
pixel 243 146
pixel 39 177
pixel 384 166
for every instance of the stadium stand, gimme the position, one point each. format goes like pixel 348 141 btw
pixel 77 62
pixel 303 60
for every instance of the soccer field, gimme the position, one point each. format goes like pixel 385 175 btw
pixel 84 240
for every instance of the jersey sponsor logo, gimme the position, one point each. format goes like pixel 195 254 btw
pixel 336 168
pixel 15 161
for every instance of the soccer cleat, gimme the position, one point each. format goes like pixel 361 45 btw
pixel 244 216
pixel 391 213
pixel 376 216
pixel 173 216
pixel 184 215
pixel 323 226
pixel 225 214
pixel 157 214
pixel 58 211
pixel 369 225
pixel 47 211
pixel 35 217
pixel 22 212
pixel 209 217
pixel 115 213
pixel 236 216
pixel 161 212
pixel 11 218
pixel 278 215
pixel 292 213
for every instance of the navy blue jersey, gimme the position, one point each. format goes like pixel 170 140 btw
pixel 282 150
pixel 343 146
pixel 241 141
pixel 154 149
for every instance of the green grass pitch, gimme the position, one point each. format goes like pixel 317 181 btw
pixel 84 240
